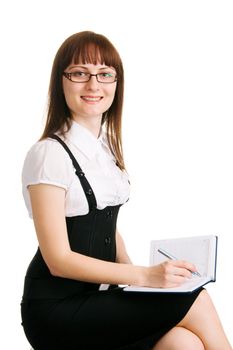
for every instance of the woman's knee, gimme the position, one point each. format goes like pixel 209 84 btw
pixel 179 338
pixel 204 299
pixel 201 306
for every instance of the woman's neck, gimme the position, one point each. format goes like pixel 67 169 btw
pixel 92 124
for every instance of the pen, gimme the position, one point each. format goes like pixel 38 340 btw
pixel 170 256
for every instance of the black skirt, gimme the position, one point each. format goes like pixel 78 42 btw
pixel 107 320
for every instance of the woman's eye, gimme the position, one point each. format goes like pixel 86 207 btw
pixel 79 74
pixel 107 75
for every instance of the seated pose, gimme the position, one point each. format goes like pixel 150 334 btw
pixel 74 183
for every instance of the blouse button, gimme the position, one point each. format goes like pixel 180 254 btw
pixel 80 173
pixel 107 240
pixel 89 192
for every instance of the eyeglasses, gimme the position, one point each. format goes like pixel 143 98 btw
pixel 83 77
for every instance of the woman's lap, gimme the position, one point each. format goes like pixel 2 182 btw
pixel 111 319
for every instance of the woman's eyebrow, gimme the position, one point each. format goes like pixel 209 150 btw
pixel 106 67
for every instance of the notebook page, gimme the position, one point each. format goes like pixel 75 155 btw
pixel 193 249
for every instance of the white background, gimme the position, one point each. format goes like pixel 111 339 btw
pixel 177 126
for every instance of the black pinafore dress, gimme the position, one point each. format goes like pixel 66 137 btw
pixel 64 314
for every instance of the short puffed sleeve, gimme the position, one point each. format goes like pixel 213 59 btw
pixel 46 163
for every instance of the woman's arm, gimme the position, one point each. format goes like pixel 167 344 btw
pixel 122 255
pixel 49 220
pixel 50 224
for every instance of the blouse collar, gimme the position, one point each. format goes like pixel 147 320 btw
pixel 84 140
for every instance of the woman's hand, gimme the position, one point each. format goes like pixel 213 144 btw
pixel 171 273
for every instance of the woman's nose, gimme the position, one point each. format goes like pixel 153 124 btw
pixel 93 84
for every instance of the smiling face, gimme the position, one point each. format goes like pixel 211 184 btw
pixel 88 100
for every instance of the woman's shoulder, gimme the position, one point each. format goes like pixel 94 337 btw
pixel 45 146
pixel 47 159
pixel 47 149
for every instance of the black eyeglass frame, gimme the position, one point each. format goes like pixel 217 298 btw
pixel 69 75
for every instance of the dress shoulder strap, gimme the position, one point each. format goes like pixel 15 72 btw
pixel 84 183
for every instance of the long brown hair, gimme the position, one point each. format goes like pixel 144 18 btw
pixel 86 47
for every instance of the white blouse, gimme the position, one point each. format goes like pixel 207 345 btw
pixel 47 162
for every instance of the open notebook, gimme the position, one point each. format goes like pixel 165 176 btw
pixel 199 250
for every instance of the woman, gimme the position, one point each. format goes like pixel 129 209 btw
pixel 74 182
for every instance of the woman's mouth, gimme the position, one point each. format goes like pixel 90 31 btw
pixel 91 98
